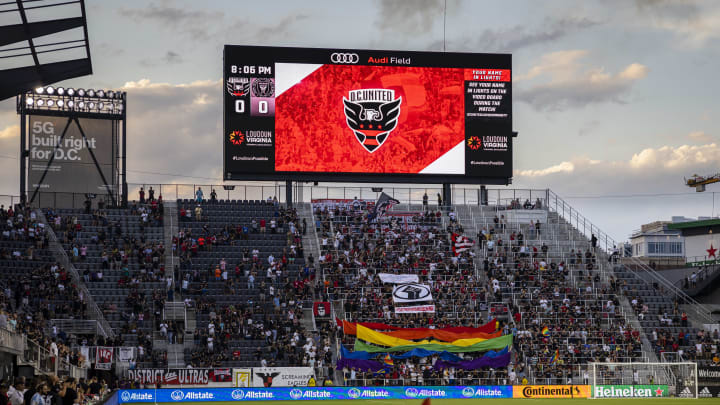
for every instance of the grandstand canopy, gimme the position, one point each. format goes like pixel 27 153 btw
pixel 41 42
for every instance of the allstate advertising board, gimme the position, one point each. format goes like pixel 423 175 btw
pixel 307 393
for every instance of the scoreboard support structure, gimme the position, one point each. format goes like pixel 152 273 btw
pixel 288 193
pixel 447 194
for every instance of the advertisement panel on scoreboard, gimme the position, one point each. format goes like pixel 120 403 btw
pixel 330 114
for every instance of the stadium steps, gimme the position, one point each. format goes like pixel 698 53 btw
pixel 170 229
pixel 61 257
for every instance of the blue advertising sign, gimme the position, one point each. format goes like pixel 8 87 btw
pixel 312 393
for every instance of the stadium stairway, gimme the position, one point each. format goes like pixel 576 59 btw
pixel 111 293
pixel 93 311
pixel 170 229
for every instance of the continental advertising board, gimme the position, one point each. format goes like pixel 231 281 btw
pixel 551 391
pixel 308 393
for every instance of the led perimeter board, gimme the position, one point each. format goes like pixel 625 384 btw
pixel 312 114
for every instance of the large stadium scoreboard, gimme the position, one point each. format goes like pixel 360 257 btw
pixel 366 115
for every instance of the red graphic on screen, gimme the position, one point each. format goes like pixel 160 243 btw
pixel 312 134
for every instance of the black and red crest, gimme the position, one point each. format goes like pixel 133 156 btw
pixel 372 114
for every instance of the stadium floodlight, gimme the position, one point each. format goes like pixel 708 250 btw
pixel 90 102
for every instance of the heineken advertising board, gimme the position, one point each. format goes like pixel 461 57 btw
pixel 630 391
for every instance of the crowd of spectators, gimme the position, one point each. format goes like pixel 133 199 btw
pixel 33 288
pixel 268 293
pixel 51 390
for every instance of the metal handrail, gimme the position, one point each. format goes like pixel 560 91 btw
pixel 561 207
pixel 94 310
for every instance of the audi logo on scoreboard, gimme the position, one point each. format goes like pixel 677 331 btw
pixel 344 58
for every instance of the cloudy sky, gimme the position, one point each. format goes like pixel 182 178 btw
pixel 615 101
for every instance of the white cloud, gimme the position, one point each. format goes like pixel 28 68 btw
pixel 675 157
pixel 12 131
pixel 573 83
pixel 563 167
pixel 647 160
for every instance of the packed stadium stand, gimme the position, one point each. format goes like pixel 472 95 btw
pixel 244 285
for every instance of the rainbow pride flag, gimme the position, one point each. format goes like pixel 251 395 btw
pixel 545 331
pixel 555 357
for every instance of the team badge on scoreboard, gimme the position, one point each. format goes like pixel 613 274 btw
pixel 372 114
pixel 262 97
pixel 238 86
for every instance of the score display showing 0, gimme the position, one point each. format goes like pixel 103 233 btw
pixel 262 106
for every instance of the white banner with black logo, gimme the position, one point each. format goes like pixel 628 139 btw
pixel 125 354
pixel 411 292
pixel 398 278
pixel 282 376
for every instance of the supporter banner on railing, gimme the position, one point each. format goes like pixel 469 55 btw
pixel 630 391
pixel 415 309
pixel 709 376
pixel 180 376
pixel 346 203
pixel 551 391
pixel 241 377
pixel 125 354
pixel 412 292
pixel 350 328
pixel 321 309
pixel 307 393
pixel 282 376
pixel 398 278
pixel 104 358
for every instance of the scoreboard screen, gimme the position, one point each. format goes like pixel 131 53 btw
pixel 366 115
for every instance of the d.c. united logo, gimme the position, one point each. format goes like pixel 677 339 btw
pixel 372 114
